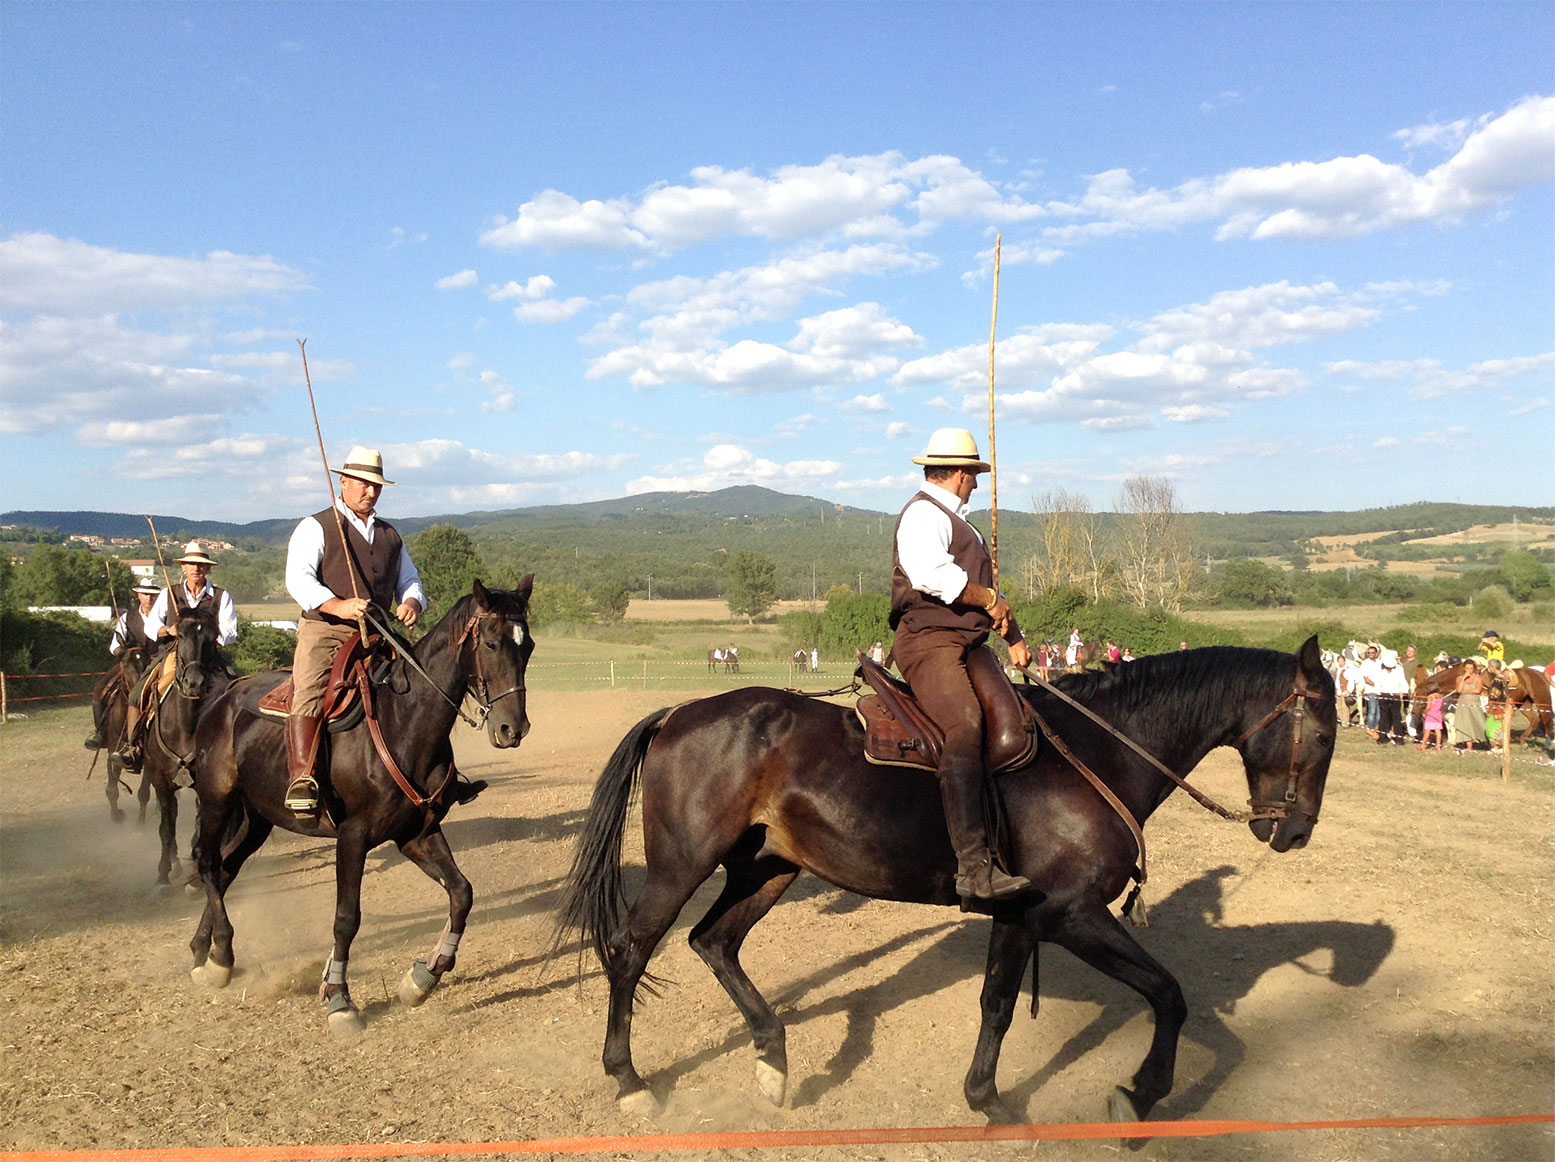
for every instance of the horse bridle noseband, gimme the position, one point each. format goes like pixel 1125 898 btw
pixel 1296 703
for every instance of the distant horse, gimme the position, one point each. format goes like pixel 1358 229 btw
pixel 110 708
pixel 729 659
pixel 199 675
pixel 769 783
pixel 481 648
pixel 1527 690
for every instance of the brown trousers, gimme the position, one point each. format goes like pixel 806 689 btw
pixel 934 663
pixel 317 644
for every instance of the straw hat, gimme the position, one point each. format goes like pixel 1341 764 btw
pixel 194 554
pixel 952 448
pixel 363 464
pixel 150 587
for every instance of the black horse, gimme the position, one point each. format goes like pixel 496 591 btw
pixel 199 674
pixel 769 783
pixel 481 647
pixel 110 709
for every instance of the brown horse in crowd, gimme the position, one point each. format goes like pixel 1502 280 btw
pixel 110 709
pixel 1527 690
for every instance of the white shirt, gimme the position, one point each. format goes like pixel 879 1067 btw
pixel 121 629
pixel 305 553
pixel 923 546
pixel 226 612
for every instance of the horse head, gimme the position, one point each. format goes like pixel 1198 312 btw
pixel 195 649
pixel 1287 752
pixel 499 647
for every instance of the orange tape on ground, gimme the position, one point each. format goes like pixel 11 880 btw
pixel 754 1139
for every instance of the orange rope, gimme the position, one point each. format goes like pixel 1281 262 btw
pixel 755 1139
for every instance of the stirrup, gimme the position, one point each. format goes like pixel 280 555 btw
pixel 93 742
pixel 986 881
pixel 302 796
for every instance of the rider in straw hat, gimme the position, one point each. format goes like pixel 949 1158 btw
pixel 195 591
pixel 129 633
pixel 943 605
pixel 336 583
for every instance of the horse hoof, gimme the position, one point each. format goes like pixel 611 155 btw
pixel 118 815
pixel 417 984
pixel 161 891
pixel 1120 1107
pixel 346 1023
pixel 772 1081
pixel 641 1104
pixel 211 974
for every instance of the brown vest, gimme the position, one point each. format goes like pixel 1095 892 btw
pixel 179 602
pixel 376 566
pixel 914 610
pixel 135 629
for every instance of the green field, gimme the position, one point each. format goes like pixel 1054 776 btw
pixel 1524 623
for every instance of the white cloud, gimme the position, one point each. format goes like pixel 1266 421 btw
pixel 537 287
pixel 462 361
pixel 465 278
pixel 549 310
pixel 724 465
pixel 1429 379
pixel 853 332
pixel 61 276
pixel 503 398
pixel 868 403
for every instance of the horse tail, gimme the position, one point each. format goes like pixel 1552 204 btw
pixel 594 898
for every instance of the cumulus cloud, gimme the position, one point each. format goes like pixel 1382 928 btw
pixel 502 398
pixel 879 195
pixel 1431 379
pixel 63 276
pixel 1187 364
pixel 465 278
pixel 724 465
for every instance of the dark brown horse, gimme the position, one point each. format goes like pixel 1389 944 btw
pixel 110 708
pixel 481 647
pixel 769 783
pixel 199 675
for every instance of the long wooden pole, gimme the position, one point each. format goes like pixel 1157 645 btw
pixel 113 598
pixel 329 483
pixel 993 451
pixel 156 543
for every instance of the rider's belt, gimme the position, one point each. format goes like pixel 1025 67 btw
pixel 898 732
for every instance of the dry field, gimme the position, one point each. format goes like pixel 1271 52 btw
pixel 1398 966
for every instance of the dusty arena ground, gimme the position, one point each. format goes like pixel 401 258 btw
pixel 1401 965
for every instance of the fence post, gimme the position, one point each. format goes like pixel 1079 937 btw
pixel 1506 741
pixel 645 673
pixel 612 673
pixel 2 697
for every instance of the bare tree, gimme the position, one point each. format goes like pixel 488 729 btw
pixel 1155 561
pixel 1068 553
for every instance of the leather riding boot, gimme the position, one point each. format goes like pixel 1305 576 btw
pixel 961 791
pixel 302 740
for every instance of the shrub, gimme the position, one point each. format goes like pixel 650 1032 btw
pixel 262 647
pixel 1493 602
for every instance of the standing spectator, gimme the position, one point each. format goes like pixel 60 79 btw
pixel 1047 659
pixel 1432 725
pixel 1391 693
pixel 1076 642
pixel 815 658
pixel 1128 654
pixel 1113 653
pixel 1182 645
pixel 1468 725
pixel 877 654
pixel 1412 709
pixel 1352 687
pixel 1371 671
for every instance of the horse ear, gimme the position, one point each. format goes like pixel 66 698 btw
pixel 482 596
pixel 524 587
pixel 1310 657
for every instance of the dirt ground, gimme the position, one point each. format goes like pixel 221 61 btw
pixel 1400 965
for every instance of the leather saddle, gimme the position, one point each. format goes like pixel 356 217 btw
pixel 343 706
pixel 898 732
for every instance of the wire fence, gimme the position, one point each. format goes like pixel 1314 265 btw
pixel 657 674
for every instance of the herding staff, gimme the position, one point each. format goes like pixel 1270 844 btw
pixel 156 543
pixel 113 598
pixel 993 455
pixel 329 483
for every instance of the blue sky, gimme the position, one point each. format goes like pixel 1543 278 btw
pixel 1289 255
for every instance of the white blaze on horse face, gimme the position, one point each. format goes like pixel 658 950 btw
pixel 518 635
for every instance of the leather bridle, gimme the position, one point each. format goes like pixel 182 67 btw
pixel 1296 704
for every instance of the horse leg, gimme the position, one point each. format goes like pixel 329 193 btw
pixel 1097 937
pixel 748 894
pixel 212 943
pixel 430 852
pixel 115 777
pixel 167 832
pixel 350 858
pixel 1011 945
pixel 630 948
pixel 143 794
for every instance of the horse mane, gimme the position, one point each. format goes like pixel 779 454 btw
pixel 1196 682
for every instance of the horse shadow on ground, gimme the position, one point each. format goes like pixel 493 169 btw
pixel 1217 967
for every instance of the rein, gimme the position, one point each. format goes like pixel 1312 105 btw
pixel 485 703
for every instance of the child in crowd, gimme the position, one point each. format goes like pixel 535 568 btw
pixel 1432 723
